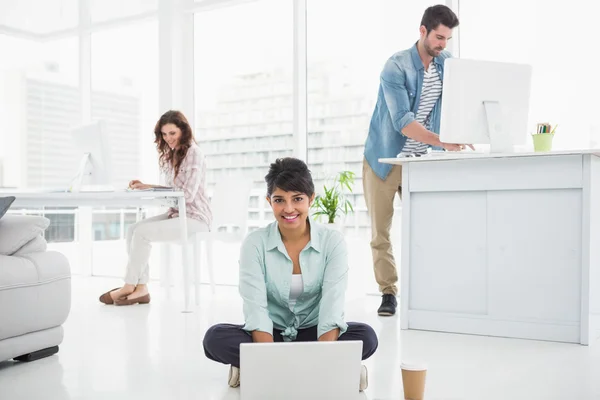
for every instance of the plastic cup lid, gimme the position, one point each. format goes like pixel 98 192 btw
pixel 413 366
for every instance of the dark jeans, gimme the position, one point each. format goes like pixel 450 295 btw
pixel 222 341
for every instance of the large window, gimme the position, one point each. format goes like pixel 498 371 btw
pixel 243 74
pixel 39 103
pixel 557 40
pixel 125 96
pixel 343 76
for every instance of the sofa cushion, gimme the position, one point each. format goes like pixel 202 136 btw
pixel 33 269
pixel 5 203
pixel 18 230
pixel 35 293
pixel 36 245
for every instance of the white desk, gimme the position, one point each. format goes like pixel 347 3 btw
pixel 502 244
pixel 122 198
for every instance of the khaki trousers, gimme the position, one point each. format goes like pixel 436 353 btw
pixel 379 197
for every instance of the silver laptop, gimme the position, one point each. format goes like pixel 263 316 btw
pixel 300 370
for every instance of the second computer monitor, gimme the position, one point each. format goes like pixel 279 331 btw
pixel 95 165
pixel 485 102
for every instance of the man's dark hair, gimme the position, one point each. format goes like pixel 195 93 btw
pixel 291 175
pixel 438 15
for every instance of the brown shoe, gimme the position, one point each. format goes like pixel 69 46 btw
pixel 106 299
pixel 145 299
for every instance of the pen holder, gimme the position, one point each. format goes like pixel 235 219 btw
pixel 542 141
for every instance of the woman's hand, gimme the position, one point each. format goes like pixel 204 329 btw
pixel 135 184
pixel 330 336
pixel 261 337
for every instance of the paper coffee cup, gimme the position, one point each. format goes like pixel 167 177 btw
pixel 413 380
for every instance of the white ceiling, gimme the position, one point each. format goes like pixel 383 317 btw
pixel 39 16
pixel 48 16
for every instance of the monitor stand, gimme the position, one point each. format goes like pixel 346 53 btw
pixel 500 141
pixel 85 169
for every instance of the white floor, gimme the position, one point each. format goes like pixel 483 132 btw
pixel 155 352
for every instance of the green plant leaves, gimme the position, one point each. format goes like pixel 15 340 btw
pixel 332 202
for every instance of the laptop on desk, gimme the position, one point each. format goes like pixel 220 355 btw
pixel 300 370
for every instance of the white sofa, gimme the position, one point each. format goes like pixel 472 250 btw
pixel 35 290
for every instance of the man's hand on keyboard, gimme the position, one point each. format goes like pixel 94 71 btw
pixel 456 147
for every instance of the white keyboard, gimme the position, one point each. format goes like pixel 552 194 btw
pixel 451 153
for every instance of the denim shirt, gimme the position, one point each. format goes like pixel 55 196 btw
pixel 398 100
pixel 266 277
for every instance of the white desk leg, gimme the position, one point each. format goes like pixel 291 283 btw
pixel 197 265
pixel 185 258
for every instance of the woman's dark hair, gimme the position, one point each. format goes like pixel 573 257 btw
pixel 436 15
pixel 187 138
pixel 291 175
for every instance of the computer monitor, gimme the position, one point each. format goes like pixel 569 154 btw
pixel 485 102
pixel 95 166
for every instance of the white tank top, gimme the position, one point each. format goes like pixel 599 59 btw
pixel 296 289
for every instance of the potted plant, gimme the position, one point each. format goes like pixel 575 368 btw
pixel 333 203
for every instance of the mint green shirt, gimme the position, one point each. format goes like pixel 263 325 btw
pixel 266 277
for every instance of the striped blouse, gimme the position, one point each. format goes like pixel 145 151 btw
pixel 191 180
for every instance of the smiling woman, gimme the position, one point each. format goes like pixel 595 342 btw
pixel 290 192
pixel 293 278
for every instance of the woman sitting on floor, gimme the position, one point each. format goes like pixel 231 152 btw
pixel 293 278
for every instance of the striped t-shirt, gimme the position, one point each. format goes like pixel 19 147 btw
pixel 431 92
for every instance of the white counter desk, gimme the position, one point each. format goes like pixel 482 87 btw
pixel 122 198
pixel 502 244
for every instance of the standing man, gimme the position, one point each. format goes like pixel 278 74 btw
pixel 406 120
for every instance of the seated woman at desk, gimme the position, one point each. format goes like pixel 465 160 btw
pixel 293 278
pixel 182 162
